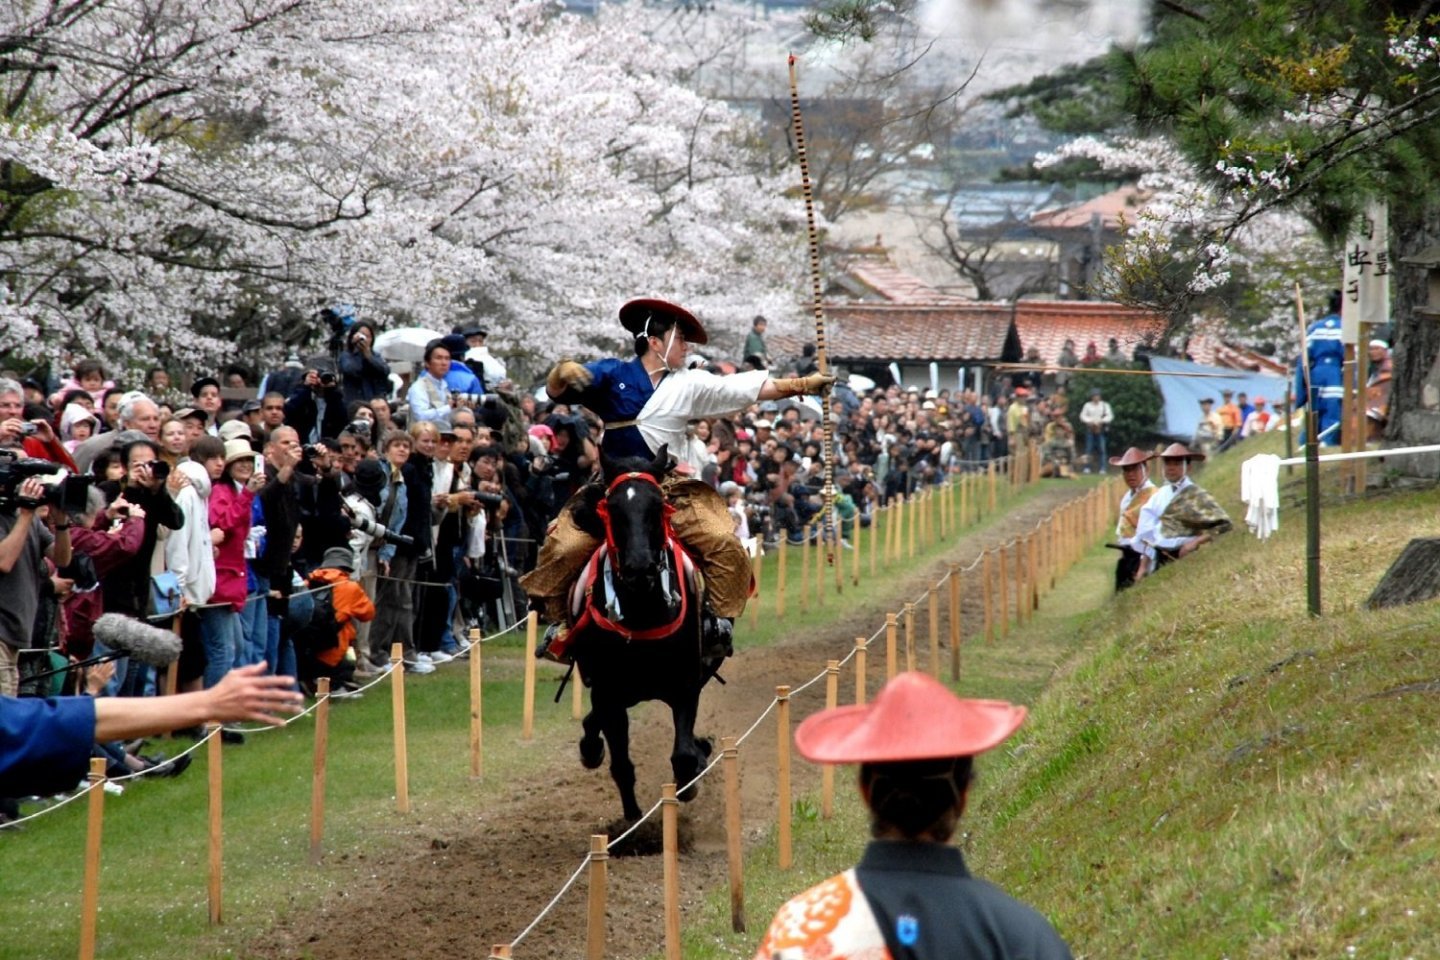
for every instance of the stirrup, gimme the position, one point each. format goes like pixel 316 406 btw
pixel 718 635
pixel 553 644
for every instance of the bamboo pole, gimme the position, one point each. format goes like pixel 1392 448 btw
pixel 217 834
pixel 595 905
pixel 956 621
pixel 397 709
pixel 780 581
pixel 670 831
pixel 782 742
pixel 477 703
pixel 827 774
pixel 94 828
pixel 527 714
pixel 734 838
pixel 892 652
pixel 860 647
pixel 317 776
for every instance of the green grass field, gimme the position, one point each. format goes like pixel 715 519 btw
pixel 1209 772
pixel 154 861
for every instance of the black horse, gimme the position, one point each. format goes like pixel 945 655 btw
pixel 641 638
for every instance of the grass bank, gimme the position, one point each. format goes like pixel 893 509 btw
pixel 1209 772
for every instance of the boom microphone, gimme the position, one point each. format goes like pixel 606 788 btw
pixel 149 645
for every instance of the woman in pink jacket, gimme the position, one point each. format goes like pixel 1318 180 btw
pixel 230 501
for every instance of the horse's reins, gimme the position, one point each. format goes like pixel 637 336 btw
pixel 670 545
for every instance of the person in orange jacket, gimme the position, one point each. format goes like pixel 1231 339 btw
pixel 350 604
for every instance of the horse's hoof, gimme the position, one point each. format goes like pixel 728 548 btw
pixel 592 753
pixel 689 793
pixel 705 745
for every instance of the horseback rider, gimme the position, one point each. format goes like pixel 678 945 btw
pixel 646 403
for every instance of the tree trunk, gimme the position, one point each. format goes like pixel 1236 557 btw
pixel 1415 389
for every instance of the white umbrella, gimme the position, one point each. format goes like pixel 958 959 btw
pixel 860 383
pixel 406 344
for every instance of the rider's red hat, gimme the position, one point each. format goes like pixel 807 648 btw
pixel 914 717
pixel 636 314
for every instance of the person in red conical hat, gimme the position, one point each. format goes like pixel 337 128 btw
pixel 911 894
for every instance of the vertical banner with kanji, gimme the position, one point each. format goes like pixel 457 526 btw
pixel 1366 290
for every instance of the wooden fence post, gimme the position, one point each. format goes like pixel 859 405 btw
pixel 595 914
pixel 805 551
pixel 670 832
pixel 1003 555
pixel 909 635
pixel 860 644
pixel 987 596
pixel 527 710
pixel 827 774
pixel 932 607
pixel 397 709
pixel 782 742
pixel 477 699
pixel 891 651
pixel 783 549
pixel 217 836
pixel 957 623
pixel 734 838
pixel 317 776
pixel 94 828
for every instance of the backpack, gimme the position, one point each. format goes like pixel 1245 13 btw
pixel 322 632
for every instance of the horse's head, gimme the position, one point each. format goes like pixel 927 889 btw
pixel 636 514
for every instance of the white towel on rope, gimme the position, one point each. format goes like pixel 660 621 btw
pixel 1260 488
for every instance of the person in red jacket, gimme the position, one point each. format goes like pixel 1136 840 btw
pixel 109 536
pixel 350 604
pixel 29 438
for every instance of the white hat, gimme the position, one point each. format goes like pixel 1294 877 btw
pixel 1380 343
pixel 763 424
pixel 232 429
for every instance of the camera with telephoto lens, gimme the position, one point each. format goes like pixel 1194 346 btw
pixel 491 499
pixel 60 489
pixel 380 532
pixel 327 379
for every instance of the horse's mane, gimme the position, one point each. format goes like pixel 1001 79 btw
pixel 582 507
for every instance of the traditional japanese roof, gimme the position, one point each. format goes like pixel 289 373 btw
pixel 885 280
pixel 1111 207
pixel 1047 324
pixel 919 332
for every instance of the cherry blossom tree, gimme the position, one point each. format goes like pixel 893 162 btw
pixel 179 179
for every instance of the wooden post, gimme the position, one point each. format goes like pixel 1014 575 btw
pixel 94 827
pixel 780 581
pixel 956 621
pixel 670 832
pixel 875 516
pixel 782 742
pixel 932 607
pixel 891 649
pixel 987 596
pixel 839 554
pixel 914 512
pixel 477 698
pixel 1032 576
pixel 909 635
pixel 501 951
pixel 860 644
pixel 857 531
pixel 1022 584
pixel 991 472
pixel 821 551
pixel 217 836
pixel 757 564
pixel 317 777
pixel 734 839
pixel 827 775
pixel 527 710
pixel 595 914
pixel 805 552
pixel 1003 590
pixel 397 709
pixel 1052 540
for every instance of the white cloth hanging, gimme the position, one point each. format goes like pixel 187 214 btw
pixel 1260 489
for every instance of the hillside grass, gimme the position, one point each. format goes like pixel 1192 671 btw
pixel 154 861
pixel 1209 772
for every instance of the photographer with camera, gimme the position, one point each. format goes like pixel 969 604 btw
pixel 364 374
pixel 34 437
pixel 30 532
pixel 148 484
pixel 315 407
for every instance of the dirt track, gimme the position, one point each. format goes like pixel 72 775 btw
pixel 490 876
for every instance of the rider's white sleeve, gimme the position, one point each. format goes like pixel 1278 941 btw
pixel 691 395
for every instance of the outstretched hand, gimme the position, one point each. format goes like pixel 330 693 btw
pixel 248 693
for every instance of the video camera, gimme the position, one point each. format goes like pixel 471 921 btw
pixel 68 493
pixel 380 532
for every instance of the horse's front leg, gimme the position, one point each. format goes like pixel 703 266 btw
pixel 689 754
pixel 616 724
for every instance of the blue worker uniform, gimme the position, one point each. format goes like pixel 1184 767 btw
pixel 1325 354
pixel 617 392
pixel 45 745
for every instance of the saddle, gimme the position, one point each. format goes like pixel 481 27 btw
pixel 594 602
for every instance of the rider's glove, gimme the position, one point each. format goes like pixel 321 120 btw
pixel 566 375
pixel 800 386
